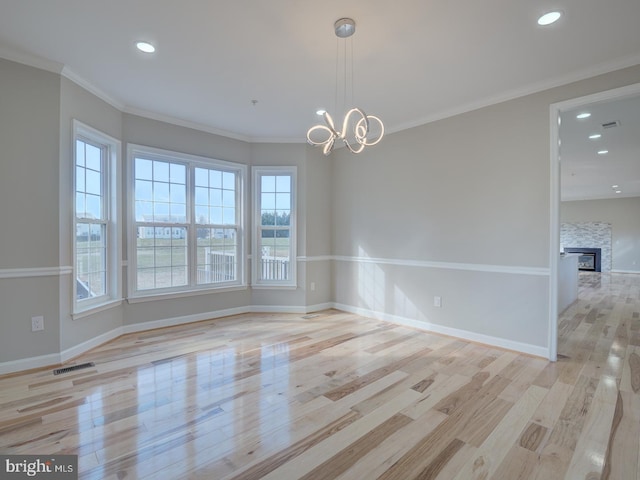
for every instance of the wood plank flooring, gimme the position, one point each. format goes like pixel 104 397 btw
pixel 340 396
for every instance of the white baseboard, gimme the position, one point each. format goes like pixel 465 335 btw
pixel 57 359
pixel 29 363
pixel 289 309
pixel 625 271
pixel 452 332
pixel 319 307
pixel 172 322
pixel 83 347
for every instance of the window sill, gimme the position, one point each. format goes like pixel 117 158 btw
pixel 96 309
pixel 261 286
pixel 141 298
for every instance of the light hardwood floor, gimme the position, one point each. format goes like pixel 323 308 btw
pixel 338 396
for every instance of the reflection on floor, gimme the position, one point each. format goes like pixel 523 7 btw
pixel 341 396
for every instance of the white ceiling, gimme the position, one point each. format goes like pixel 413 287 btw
pixel 415 61
pixel 584 173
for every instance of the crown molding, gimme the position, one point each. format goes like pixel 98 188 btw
pixel 30 59
pixel 530 89
pixel 91 88
pixel 183 123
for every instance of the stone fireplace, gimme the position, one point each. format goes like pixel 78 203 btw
pixel 585 237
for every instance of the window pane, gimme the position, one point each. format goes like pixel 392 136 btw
pixel 216 255
pixel 80 179
pixel 160 171
pixel 178 193
pixel 160 192
pixel 229 216
pixel 283 201
pixel 97 238
pixel 268 201
pixel 163 277
pixel 80 206
pixel 93 206
pixel 215 215
pixel 80 153
pixel 274 259
pixel 161 257
pixel 178 276
pixel 93 182
pixel 268 218
pixel 215 179
pixel 91 260
pixel 146 278
pixel 82 234
pixel 228 181
pixel 144 211
pixel 202 177
pixel 228 198
pixel 215 197
pixel 161 212
pixel 177 173
pixel 283 183
pixel 144 169
pixel 202 196
pixel 93 157
pixel 178 213
pixel 283 218
pixel 202 214
pixel 143 190
pixel 268 183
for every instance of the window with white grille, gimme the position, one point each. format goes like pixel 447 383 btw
pixel 274 257
pixel 187 219
pixel 96 232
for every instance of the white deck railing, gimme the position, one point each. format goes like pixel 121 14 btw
pixel 221 267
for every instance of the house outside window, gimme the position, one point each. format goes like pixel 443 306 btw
pixel 186 214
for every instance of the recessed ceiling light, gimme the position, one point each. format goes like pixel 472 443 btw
pixel 615 186
pixel 145 47
pixel 603 152
pixel 549 18
pixel 320 111
pixel 580 116
pixel 618 191
pixel 595 136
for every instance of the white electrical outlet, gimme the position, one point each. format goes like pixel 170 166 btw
pixel 37 323
pixel 437 301
pixel 313 286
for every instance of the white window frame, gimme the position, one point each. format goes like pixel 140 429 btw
pixel 191 162
pixel 111 184
pixel 256 281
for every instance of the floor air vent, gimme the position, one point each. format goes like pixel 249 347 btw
pixel 311 315
pixel 58 371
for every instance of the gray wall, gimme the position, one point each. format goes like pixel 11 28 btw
pixel 624 216
pixel 458 208
pixel 77 103
pixel 445 209
pixel 29 140
pixel 37 109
